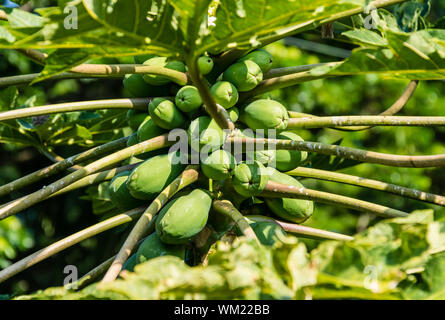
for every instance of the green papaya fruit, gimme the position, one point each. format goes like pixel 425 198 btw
pixel 287 160
pixel 250 179
pixel 267 232
pixel 132 140
pixel 204 132
pixel 165 114
pixel 135 118
pixel 295 210
pixel 158 80
pixel 265 114
pixel 153 247
pixel 261 57
pixel 149 130
pixel 152 176
pixel 225 94
pixel 205 64
pixel 188 99
pixel 138 88
pixel 140 59
pixel 219 165
pixel 244 75
pixel 184 217
pixel 130 263
pixel 233 114
pixel 119 193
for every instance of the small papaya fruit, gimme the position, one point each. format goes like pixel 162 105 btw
pixel 188 99
pixel 250 179
pixel 261 57
pixel 138 88
pixel 152 176
pixel 265 114
pixel 130 263
pixel 184 217
pixel 158 80
pixel 219 165
pixel 295 210
pixel 267 232
pixel 132 140
pixel 119 193
pixel 233 114
pixel 287 160
pixel 205 132
pixel 140 59
pixel 244 75
pixel 165 114
pixel 225 94
pixel 205 64
pixel 148 130
pixel 153 247
pixel 135 118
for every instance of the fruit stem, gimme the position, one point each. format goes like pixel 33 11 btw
pixel 346 152
pixel 367 183
pixel 278 190
pixel 226 208
pixel 328 122
pixel 189 176
pixel 393 109
pixel 48 152
pixel 69 241
pixel 100 71
pixel 62 165
pixel 35 197
pixel 278 72
pixel 126 103
pixel 304 230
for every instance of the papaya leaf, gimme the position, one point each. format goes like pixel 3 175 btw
pixel 416 55
pixel 234 23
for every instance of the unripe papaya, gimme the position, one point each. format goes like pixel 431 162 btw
pixel 205 132
pixel 233 114
pixel 132 140
pixel 135 118
pixel 205 64
pixel 265 114
pixel 130 263
pixel 261 57
pixel 244 75
pixel 152 176
pixel 219 165
pixel 140 59
pixel 165 114
pixel 295 210
pixel 225 94
pixel 158 80
pixel 188 99
pixel 184 217
pixel 267 232
pixel 119 193
pixel 250 179
pixel 153 247
pixel 138 88
pixel 148 130
pixel 289 159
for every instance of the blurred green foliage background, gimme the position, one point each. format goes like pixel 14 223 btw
pixel 54 219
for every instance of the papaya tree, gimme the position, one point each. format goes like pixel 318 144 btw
pixel 200 156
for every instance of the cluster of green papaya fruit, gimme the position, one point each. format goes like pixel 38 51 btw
pixel 241 175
